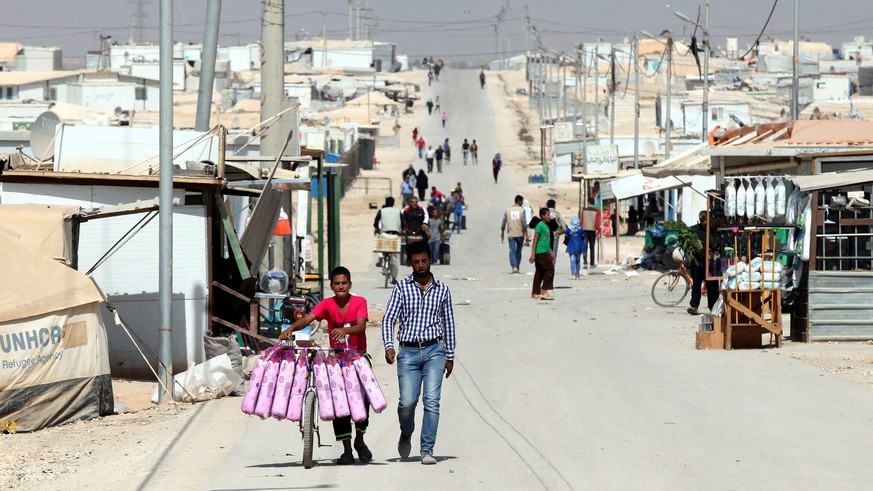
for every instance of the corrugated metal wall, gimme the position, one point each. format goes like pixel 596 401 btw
pixel 840 305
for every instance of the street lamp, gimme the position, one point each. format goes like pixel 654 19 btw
pixel 668 123
pixel 705 28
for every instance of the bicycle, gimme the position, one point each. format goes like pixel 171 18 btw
pixel 286 311
pixel 671 287
pixel 387 245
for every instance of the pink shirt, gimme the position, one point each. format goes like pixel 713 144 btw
pixel 328 310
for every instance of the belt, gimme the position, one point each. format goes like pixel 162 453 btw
pixel 420 345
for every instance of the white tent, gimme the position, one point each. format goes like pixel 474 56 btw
pixel 54 361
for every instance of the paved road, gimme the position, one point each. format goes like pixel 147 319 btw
pixel 592 391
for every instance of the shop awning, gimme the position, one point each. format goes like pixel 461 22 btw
pixel 638 184
pixel 832 180
pixel 688 163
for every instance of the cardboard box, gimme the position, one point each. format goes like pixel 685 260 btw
pixel 710 340
pixel 382 243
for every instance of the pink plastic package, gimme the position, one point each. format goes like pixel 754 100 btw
pixel 337 389
pixel 322 388
pixel 353 392
pixel 370 385
pixel 268 387
pixel 283 385
pixel 298 388
pixel 250 399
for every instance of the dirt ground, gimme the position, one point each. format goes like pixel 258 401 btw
pixel 110 451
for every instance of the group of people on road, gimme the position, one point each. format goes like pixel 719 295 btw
pixel 418 334
pixel 544 233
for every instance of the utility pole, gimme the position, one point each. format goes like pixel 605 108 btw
pixel 207 65
pixel 323 40
pixel 584 102
pixel 596 59
pixel 612 96
pixel 165 212
pixel 795 89
pixel 273 90
pixel 636 61
pixel 351 15
pixel 668 125
pixel 705 135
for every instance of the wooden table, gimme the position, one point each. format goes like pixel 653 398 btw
pixel 746 311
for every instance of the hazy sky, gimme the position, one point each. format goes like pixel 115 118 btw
pixel 450 29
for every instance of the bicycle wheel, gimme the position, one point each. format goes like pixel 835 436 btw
pixel 386 273
pixel 308 427
pixel 670 289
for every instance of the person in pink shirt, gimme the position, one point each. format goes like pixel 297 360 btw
pixel 346 317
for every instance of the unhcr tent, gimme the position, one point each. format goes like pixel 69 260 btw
pixel 54 362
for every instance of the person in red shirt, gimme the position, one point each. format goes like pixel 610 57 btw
pixel 346 317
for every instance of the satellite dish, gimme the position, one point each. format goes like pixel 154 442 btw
pixel 648 149
pixel 118 111
pixel 42 135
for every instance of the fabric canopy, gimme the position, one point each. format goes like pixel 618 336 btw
pixel 637 184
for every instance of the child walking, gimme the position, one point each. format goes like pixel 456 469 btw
pixel 574 238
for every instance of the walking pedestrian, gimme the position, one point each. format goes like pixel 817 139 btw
pixel 482 78
pixel 457 207
pixel 447 150
pixel 423 305
pixel 437 105
pixel 574 239
pixel 429 106
pixel 559 226
pixel 420 145
pixel 465 150
pixel 474 152
pixel 444 120
pixel 428 157
pixel 542 258
pixel 437 234
pixel 496 164
pixel 436 197
pixel 346 315
pixel 421 184
pixel 438 154
pixel 415 136
pixel 697 269
pixel 407 190
pixel 515 229
pixel 590 219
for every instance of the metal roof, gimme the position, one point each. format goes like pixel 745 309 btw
pixel 833 180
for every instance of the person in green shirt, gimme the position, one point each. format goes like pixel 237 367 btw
pixel 542 259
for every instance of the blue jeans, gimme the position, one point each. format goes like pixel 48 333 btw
pixel 457 224
pixel 417 367
pixel 434 251
pixel 574 264
pixel 515 245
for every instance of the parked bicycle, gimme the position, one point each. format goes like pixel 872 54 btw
pixel 671 287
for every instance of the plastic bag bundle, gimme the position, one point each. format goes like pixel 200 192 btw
pixel 770 198
pixel 750 201
pixel 353 392
pixel 755 264
pixel 780 196
pixel 791 206
pixel 322 388
pixel 750 276
pixel 283 385
pixel 746 285
pixel 298 387
pixel 760 199
pixel 771 285
pixel 250 399
pixel 370 384
pixel 768 267
pixel 741 199
pixel 735 269
pixel 730 199
pixel 337 388
pixel 268 387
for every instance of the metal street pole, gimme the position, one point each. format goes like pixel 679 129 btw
pixel 794 76
pixel 584 104
pixel 596 95
pixel 165 193
pixel 668 124
pixel 636 61
pixel 705 134
pixel 612 96
pixel 207 65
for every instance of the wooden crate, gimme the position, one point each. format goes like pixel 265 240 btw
pixel 383 243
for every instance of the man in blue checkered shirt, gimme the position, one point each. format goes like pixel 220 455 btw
pixel 426 336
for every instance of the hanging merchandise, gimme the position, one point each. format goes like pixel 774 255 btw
pixel 741 199
pixel 250 400
pixel 337 388
pixel 370 384
pixel 322 388
pixel 791 206
pixel 770 192
pixel 268 386
pixel 730 199
pixel 760 198
pixel 353 391
pixel 283 385
pixel 780 196
pixel 298 387
pixel 750 200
